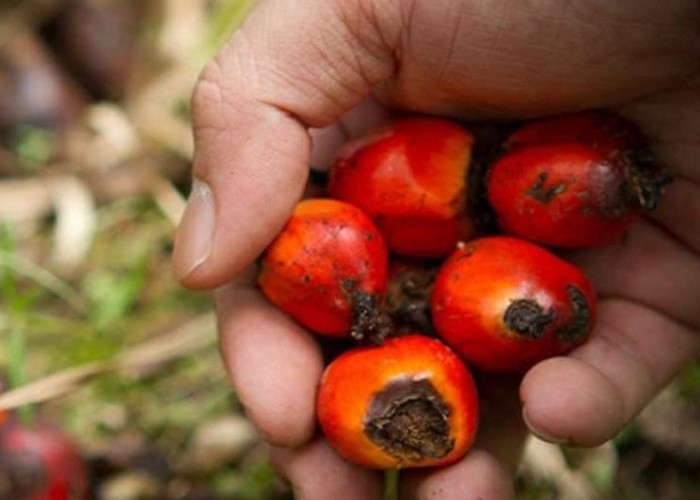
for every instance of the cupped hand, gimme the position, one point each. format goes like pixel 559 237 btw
pixel 301 64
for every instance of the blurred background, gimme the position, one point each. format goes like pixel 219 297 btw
pixel 96 338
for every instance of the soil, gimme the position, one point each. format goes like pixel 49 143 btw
pixel 545 196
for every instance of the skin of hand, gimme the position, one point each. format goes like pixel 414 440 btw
pixel 302 64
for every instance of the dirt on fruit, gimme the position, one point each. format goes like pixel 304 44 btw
pixel 369 323
pixel 408 300
pixel 542 194
pixel 528 318
pixel 409 420
pixel 575 329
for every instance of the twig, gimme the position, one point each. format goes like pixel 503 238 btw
pixel 167 198
pixel 24 199
pixel 196 334
pixel 49 281
pixel 153 113
pixel 75 221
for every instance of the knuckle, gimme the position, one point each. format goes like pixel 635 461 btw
pixel 207 95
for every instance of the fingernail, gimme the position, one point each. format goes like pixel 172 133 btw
pixel 195 235
pixel 544 436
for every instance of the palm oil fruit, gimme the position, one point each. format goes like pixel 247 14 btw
pixel 327 269
pixel 40 463
pixel 602 130
pixel 411 178
pixel 410 402
pixel 505 304
pixel 575 181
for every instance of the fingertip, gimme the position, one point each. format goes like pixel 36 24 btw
pixel 316 472
pixel 567 401
pixel 478 475
pixel 274 365
pixel 194 236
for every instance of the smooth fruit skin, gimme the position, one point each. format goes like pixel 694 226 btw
pixel 604 131
pixel 411 178
pixel 563 195
pixel 328 253
pixel 40 463
pixel 575 180
pixel 505 304
pixel 350 383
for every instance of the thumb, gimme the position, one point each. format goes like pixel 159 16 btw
pixel 295 64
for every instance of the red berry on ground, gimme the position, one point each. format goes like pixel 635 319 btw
pixel 40 463
pixel 504 304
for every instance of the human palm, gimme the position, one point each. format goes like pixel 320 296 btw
pixel 305 63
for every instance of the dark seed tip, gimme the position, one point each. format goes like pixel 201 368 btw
pixel 528 318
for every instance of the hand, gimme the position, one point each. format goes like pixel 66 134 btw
pixel 298 64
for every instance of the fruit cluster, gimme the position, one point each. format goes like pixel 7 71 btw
pixel 413 191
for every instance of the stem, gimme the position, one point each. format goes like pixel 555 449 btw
pixel 15 307
pixel 391 485
pixel 18 378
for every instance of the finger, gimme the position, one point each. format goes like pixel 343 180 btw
pixel 650 268
pixel 502 431
pixel 316 472
pixel 607 381
pixel 294 64
pixel 274 365
pixel 679 213
pixel 586 398
pixel 528 58
pixel 478 475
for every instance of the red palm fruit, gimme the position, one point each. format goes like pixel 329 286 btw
pixel 40 463
pixel 602 130
pixel 411 178
pixel 504 304
pixel 574 181
pixel 327 269
pixel 410 402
